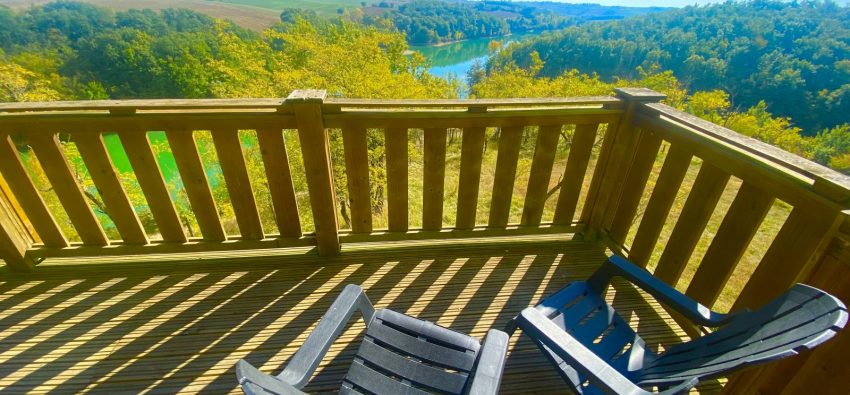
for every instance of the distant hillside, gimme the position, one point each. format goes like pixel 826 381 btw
pixel 254 18
pixel 794 56
pixel 593 12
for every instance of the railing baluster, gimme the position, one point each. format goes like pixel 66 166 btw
pixel 510 139
pixel 672 174
pixel 397 201
pixel 801 240
pixel 740 224
pixel 580 151
pixel 541 172
pixel 472 151
pixel 142 159
pixel 638 174
pixel 94 154
pixel 315 149
pixel 27 195
pixel 357 174
pixel 232 160
pixel 279 177
pixel 434 175
pixel 14 243
pixel 195 181
pixel 701 202
pixel 49 152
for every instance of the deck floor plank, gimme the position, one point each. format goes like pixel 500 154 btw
pixel 180 323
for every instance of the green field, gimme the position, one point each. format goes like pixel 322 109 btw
pixel 252 14
pixel 322 7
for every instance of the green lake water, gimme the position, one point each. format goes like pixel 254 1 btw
pixel 455 59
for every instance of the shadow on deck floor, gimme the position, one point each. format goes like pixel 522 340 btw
pixel 119 325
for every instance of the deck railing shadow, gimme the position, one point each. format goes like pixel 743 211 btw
pixel 163 328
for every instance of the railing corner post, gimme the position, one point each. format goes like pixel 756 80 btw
pixel 315 148
pixel 614 164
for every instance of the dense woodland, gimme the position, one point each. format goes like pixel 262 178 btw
pixel 431 21
pixel 793 56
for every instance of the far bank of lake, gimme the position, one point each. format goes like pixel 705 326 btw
pixel 455 59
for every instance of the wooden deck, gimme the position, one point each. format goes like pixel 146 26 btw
pixel 178 324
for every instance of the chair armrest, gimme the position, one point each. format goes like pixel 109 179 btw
pixel 305 361
pixel 491 363
pixel 691 309
pixel 604 377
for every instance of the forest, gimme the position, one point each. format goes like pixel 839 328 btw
pixel 431 21
pixel 794 56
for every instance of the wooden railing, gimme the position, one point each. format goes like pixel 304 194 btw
pixel 41 126
pixel 649 181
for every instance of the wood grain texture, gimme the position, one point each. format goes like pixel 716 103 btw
pixel 191 319
pixel 105 177
pixel 232 161
pixel 510 139
pixel 795 249
pixel 357 175
pixel 634 185
pixel 397 172
pixel 48 149
pixel 660 202
pixel 197 186
pixel 540 173
pixel 27 195
pixel 315 149
pixel 740 224
pixel 143 160
pixel 702 199
pixel 434 178
pixel 581 149
pixel 279 181
pixel 472 151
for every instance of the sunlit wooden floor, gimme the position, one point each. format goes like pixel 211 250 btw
pixel 173 324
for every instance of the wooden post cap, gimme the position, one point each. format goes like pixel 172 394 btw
pixel 639 94
pixel 303 96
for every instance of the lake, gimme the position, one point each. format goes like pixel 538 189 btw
pixel 455 59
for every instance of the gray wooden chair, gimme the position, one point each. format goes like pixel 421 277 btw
pixel 399 355
pixel 596 351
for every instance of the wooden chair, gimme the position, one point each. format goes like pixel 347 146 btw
pixel 596 351
pixel 399 355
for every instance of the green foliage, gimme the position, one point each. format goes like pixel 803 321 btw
pixel 431 21
pixel 791 55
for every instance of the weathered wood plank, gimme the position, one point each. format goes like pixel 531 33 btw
pixel 434 178
pixel 702 199
pixel 596 182
pixel 143 160
pixel 105 177
pixel 397 189
pixel 232 160
pixel 540 173
pixel 13 243
pixel 798 245
pixel 195 181
pixel 472 151
pixel 357 174
pixel 27 195
pixel 48 149
pixel 740 224
pixel 633 187
pixel 315 149
pixel 658 208
pixel 505 176
pixel 580 151
pixel 279 181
